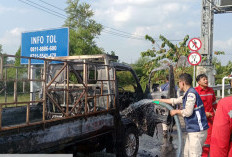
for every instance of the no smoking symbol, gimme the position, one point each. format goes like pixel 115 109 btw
pixel 194 44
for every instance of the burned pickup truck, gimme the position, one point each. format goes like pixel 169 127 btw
pixel 74 103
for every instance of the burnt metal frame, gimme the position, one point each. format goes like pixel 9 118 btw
pixel 68 62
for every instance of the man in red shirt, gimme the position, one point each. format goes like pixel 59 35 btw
pixel 221 145
pixel 209 100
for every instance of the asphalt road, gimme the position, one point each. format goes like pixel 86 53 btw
pixel 156 146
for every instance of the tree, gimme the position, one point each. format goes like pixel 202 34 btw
pixel 138 66
pixel 83 29
pixel 221 71
pixel 17 59
pixel 1 49
pixel 167 53
pixel 5 57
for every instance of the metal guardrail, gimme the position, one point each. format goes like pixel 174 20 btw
pixel 218 88
pixel 223 85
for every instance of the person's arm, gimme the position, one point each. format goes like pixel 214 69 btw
pixel 172 101
pixel 167 101
pixel 174 112
pixel 189 106
pixel 220 137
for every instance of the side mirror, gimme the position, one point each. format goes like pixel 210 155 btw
pixel 155 87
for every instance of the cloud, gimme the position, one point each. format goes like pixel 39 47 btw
pixel 11 40
pixel 173 19
pixel 173 7
pixel 16 32
pixel 131 2
pixel 122 15
pixel 7 10
pixel 127 14
pixel 116 16
pixel 223 45
pixel 226 46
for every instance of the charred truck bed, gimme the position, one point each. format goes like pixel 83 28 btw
pixel 46 107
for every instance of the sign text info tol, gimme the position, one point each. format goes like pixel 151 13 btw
pixel 40 40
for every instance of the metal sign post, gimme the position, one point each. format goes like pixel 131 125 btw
pixel 194 76
pixel 32 86
pixel 194 59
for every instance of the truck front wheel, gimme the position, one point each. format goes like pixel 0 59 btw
pixel 131 142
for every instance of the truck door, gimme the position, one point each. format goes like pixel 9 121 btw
pixel 129 89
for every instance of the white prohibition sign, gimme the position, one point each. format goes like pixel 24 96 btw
pixel 194 58
pixel 195 44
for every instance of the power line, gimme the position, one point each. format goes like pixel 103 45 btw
pixel 123 32
pixel 51 5
pixel 121 35
pixel 41 9
pixel 134 36
pixel 47 8
pixel 115 32
pixel 66 16
pixel 58 15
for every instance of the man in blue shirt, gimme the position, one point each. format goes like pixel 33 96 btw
pixel 194 115
pixel 165 86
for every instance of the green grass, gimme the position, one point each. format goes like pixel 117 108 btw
pixel 10 99
pixel 129 88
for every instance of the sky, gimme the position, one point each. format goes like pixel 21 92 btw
pixel 125 22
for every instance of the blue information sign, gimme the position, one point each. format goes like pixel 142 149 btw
pixel 45 43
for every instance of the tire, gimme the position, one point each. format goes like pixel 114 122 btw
pixel 130 143
pixel 106 142
pixel 110 144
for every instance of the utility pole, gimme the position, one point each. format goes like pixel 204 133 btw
pixel 209 8
pixel 207 21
